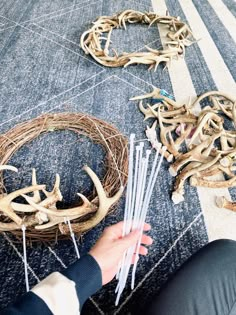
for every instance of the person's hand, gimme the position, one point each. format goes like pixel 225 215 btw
pixel 109 249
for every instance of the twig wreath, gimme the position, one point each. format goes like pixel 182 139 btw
pixel 94 43
pixel 42 219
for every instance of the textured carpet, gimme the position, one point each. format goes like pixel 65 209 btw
pixel 43 69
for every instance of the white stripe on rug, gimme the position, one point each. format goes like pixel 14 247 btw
pixel 219 71
pixel 226 17
pixel 216 219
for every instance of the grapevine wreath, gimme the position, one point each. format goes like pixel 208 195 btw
pixel 42 219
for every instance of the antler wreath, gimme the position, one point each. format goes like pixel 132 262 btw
pixel 94 43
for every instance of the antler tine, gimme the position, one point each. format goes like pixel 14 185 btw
pixel 52 197
pixel 36 194
pixel 104 204
pixel 5 202
pixel 12 226
pixel 152 94
pixel 56 188
pixel 147 111
pixel 76 211
pixel 104 201
pixel 55 221
pixel 8 167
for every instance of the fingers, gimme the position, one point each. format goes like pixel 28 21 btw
pixel 146 240
pixel 130 239
pixel 143 250
pixel 147 227
pixel 115 231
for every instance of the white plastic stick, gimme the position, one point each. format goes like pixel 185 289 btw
pixel 140 215
pixel 137 161
pixel 72 234
pixel 25 258
pixel 131 163
pixel 133 216
pixel 143 185
pixel 125 272
pixel 136 215
pixel 128 197
pixel 130 181
pixel 137 203
pixel 139 183
pixel 144 213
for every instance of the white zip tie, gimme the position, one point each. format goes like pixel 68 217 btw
pixel 128 196
pixel 144 213
pixel 121 263
pixel 137 202
pixel 25 258
pixel 127 257
pixel 72 234
pixel 140 209
pixel 130 181
pixel 139 182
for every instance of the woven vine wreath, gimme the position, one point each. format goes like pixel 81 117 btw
pixel 94 43
pixel 42 219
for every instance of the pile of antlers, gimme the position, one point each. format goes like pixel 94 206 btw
pixel 199 145
pixel 43 214
pixel 94 43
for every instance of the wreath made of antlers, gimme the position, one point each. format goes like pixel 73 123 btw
pixel 94 43
pixel 42 218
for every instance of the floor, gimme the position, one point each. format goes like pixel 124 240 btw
pixel 43 69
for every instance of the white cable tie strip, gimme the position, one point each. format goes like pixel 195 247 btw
pixel 25 259
pixel 139 218
pixel 129 187
pixel 139 184
pixel 135 177
pixel 128 197
pixel 129 221
pixel 144 214
pixel 20 256
pixel 133 215
pixel 72 234
pixel 149 191
pixel 124 277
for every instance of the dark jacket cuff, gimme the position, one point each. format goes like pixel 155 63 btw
pixel 87 275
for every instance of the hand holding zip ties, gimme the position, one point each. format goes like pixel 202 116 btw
pixel 109 249
pixel 139 191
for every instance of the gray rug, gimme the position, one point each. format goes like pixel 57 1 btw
pixel 44 69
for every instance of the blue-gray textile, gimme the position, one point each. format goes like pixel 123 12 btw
pixel 43 69
pixel 204 285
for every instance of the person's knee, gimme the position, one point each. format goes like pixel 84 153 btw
pixel 218 250
pixel 222 244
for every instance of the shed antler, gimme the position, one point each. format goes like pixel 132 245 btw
pixel 198 141
pixel 43 214
pixel 105 204
pixel 6 200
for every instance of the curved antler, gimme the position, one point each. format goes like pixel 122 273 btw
pixel 104 205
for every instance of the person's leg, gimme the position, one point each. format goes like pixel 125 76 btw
pixel 204 285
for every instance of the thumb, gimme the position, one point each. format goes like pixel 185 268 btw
pixel 129 239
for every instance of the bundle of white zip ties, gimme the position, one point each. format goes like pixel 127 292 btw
pixel 139 190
